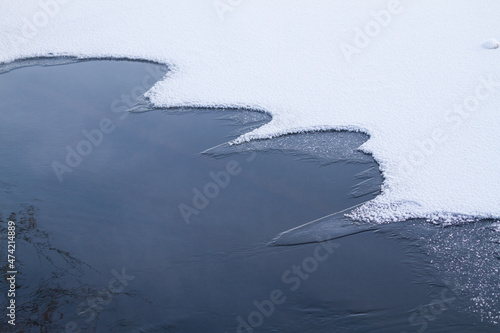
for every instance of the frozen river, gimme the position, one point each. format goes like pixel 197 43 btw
pixel 148 222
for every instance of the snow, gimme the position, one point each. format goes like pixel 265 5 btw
pixel 414 75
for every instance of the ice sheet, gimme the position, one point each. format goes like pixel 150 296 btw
pixel 420 77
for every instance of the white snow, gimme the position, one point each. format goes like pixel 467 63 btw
pixel 413 75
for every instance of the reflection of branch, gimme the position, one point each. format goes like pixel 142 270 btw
pixel 27 230
pixel 47 305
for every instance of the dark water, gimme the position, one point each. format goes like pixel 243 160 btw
pixel 123 225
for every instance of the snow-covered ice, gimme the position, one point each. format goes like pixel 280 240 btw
pixel 414 75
